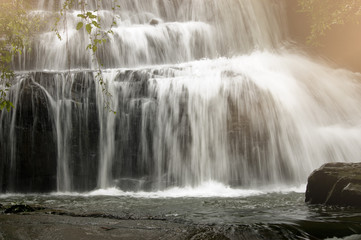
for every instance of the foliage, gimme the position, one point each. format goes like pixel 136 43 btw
pixel 327 13
pixel 90 21
pixel 16 27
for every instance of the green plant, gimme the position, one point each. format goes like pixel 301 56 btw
pixel 16 29
pixel 97 34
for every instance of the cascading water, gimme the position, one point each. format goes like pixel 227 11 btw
pixel 203 90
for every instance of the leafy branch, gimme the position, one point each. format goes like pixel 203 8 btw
pixel 90 21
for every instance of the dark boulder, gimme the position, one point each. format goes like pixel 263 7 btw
pixel 155 21
pixel 20 208
pixel 335 184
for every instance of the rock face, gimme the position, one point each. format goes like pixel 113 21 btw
pixel 155 21
pixel 335 184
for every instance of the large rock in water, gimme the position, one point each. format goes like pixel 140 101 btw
pixel 335 184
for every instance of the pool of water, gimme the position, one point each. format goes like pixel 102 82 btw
pixel 259 213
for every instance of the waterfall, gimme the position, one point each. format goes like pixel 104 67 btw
pixel 184 31
pixel 202 90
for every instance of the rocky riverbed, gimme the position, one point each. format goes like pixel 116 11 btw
pixel 34 222
pixel 259 215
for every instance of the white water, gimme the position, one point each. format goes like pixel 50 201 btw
pixel 187 30
pixel 209 95
pixel 205 190
pixel 300 115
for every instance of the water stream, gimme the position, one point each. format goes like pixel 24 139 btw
pixel 204 91
pixel 209 92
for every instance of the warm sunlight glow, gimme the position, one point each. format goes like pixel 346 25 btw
pixel 180 119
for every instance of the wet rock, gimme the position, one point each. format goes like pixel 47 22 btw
pixel 20 208
pixel 28 140
pixel 208 235
pixel 155 21
pixel 31 226
pixel 128 184
pixel 335 184
pixel 33 107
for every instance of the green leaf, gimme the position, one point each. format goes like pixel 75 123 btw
pixel 79 25
pixel 91 15
pixel 2 105
pixel 8 58
pixel 8 107
pixel 88 28
pixel 96 24
pixel 81 16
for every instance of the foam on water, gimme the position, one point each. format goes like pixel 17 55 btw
pixel 352 237
pixel 205 190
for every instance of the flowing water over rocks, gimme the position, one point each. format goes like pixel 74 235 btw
pixel 204 92
pixel 253 120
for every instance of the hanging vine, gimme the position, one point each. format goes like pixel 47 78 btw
pixel 90 22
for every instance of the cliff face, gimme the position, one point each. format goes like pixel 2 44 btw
pixel 341 45
pixel 335 184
